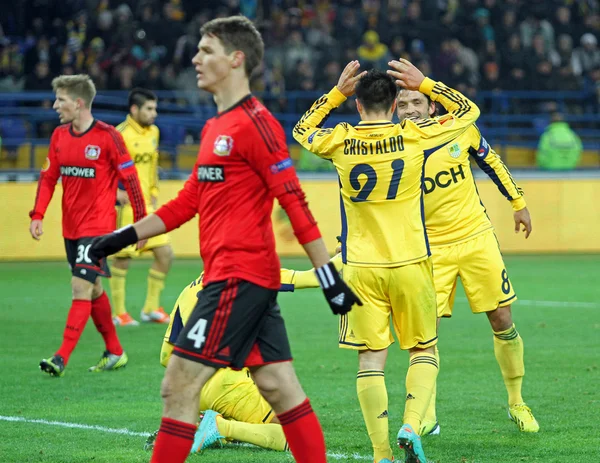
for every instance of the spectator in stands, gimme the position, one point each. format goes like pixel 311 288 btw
pixel 41 52
pixel 508 27
pixel 562 22
pixel 484 32
pixel 40 80
pixel 534 24
pixel 413 26
pixel 468 58
pixel 560 147
pixel 372 53
pixel 515 67
pixel 567 80
pixel 586 57
pixel 296 51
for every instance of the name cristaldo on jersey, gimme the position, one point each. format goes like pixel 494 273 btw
pixel 76 171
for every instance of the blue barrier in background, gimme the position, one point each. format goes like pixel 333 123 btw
pixel 24 115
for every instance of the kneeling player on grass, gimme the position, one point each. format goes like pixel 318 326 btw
pixel 230 402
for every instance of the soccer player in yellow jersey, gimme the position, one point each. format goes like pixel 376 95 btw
pixel 463 244
pixel 141 137
pixel 384 244
pixel 231 403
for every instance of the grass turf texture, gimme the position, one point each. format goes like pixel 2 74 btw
pixel 561 383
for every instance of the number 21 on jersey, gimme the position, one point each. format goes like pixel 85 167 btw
pixel 367 188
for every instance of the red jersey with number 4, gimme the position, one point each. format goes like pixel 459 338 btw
pixel 243 164
pixel 90 163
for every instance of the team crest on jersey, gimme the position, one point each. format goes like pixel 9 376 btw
pixel 223 145
pixel 46 165
pixel 92 152
pixel 454 150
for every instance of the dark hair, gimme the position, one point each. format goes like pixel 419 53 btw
pixel 139 96
pixel 238 33
pixel 376 91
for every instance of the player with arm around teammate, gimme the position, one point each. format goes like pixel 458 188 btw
pixel 463 244
pixel 384 244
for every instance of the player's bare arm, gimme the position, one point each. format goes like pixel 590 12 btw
pixel 522 218
pixel 406 74
pixel 348 79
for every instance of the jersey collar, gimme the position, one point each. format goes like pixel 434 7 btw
pixel 135 126
pixel 81 134
pixel 235 105
pixel 371 124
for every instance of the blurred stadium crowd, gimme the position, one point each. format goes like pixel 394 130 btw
pixel 469 44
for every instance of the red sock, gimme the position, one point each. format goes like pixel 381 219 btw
pixel 79 313
pixel 304 434
pixel 174 441
pixel 102 316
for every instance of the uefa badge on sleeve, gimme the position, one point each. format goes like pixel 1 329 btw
pixel 92 152
pixel 223 145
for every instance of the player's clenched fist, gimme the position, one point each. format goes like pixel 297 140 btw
pixel 111 243
pixel 339 296
pixel 406 74
pixel 36 229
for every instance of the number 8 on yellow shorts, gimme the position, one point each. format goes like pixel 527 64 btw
pixel 479 264
pixel 402 296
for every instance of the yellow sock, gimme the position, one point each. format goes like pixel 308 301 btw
pixel 430 414
pixel 420 382
pixel 373 398
pixel 156 283
pixel 508 347
pixel 117 290
pixel 268 436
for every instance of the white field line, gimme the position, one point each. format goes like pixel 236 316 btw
pixel 559 304
pixel 127 432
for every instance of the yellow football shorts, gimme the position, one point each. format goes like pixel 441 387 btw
pixel 234 394
pixel 479 264
pixel 406 294
pixel 125 217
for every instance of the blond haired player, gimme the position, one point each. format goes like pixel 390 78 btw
pixel 384 244
pixel 463 244
pixel 141 137
pixel 230 402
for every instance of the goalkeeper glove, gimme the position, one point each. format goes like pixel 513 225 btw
pixel 337 293
pixel 106 245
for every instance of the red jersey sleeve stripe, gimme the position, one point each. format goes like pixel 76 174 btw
pixel 268 143
pixel 118 142
pixel 260 118
pixel 293 187
pixel 138 203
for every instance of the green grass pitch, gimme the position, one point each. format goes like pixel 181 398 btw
pixel 558 318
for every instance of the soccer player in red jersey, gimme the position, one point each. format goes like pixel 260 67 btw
pixel 91 158
pixel 243 164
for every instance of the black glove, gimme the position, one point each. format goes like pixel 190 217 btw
pixel 106 245
pixel 339 296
